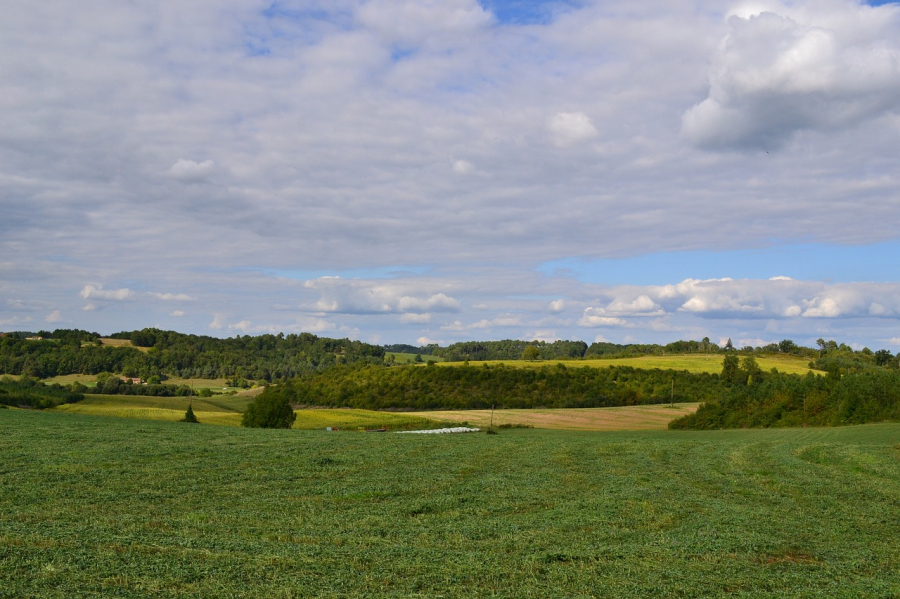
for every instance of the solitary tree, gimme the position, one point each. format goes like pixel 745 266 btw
pixel 189 415
pixel 530 353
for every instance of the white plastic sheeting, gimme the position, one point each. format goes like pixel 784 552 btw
pixel 444 431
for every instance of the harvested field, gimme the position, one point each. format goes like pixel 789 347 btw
pixel 121 343
pixel 626 418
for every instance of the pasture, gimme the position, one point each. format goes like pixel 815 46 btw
pixel 115 507
pixel 690 362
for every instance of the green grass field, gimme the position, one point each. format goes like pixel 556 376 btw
pixel 93 506
pixel 689 362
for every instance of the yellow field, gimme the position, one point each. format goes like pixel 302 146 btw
pixel 626 418
pixel 691 363
pixel 226 411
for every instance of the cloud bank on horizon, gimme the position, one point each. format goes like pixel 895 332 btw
pixel 426 171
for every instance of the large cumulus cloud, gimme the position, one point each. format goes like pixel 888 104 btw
pixel 820 66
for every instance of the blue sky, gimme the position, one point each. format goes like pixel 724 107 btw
pixel 833 263
pixel 427 171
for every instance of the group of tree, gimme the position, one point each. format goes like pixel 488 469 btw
pixel 26 392
pixel 753 398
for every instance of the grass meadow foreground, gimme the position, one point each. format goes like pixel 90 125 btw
pixel 92 505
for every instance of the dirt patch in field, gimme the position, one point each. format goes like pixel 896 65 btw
pixel 626 418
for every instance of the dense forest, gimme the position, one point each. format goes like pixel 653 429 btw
pixel 469 387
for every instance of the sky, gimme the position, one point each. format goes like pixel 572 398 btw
pixel 430 171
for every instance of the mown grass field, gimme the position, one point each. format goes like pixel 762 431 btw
pixel 93 506
pixel 689 362
pixel 625 418
pixel 227 411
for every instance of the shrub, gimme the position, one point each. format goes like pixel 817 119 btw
pixel 269 410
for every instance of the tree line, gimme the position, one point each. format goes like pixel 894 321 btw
pixel 263 357
pixel 479 387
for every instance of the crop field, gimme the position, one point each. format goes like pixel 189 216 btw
pixel 94 506
pixel 626 418
pixel 689 362
pixel 227 410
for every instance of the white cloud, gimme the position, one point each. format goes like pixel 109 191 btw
pixel 439 302
pixel 243 326
pixel 413 318
pixel 53 317
pixel 177 313
pixel 811 66
pixel 14 321
pixel 190 171
pixel 218 322
pixel 97 292
pixel 825 307
pixel 170 297
pixel 546 336
pixel 463 167
pixel 89 307
pixel 569 128
pixel 591 318
pixel 430 23
pixel 359 296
